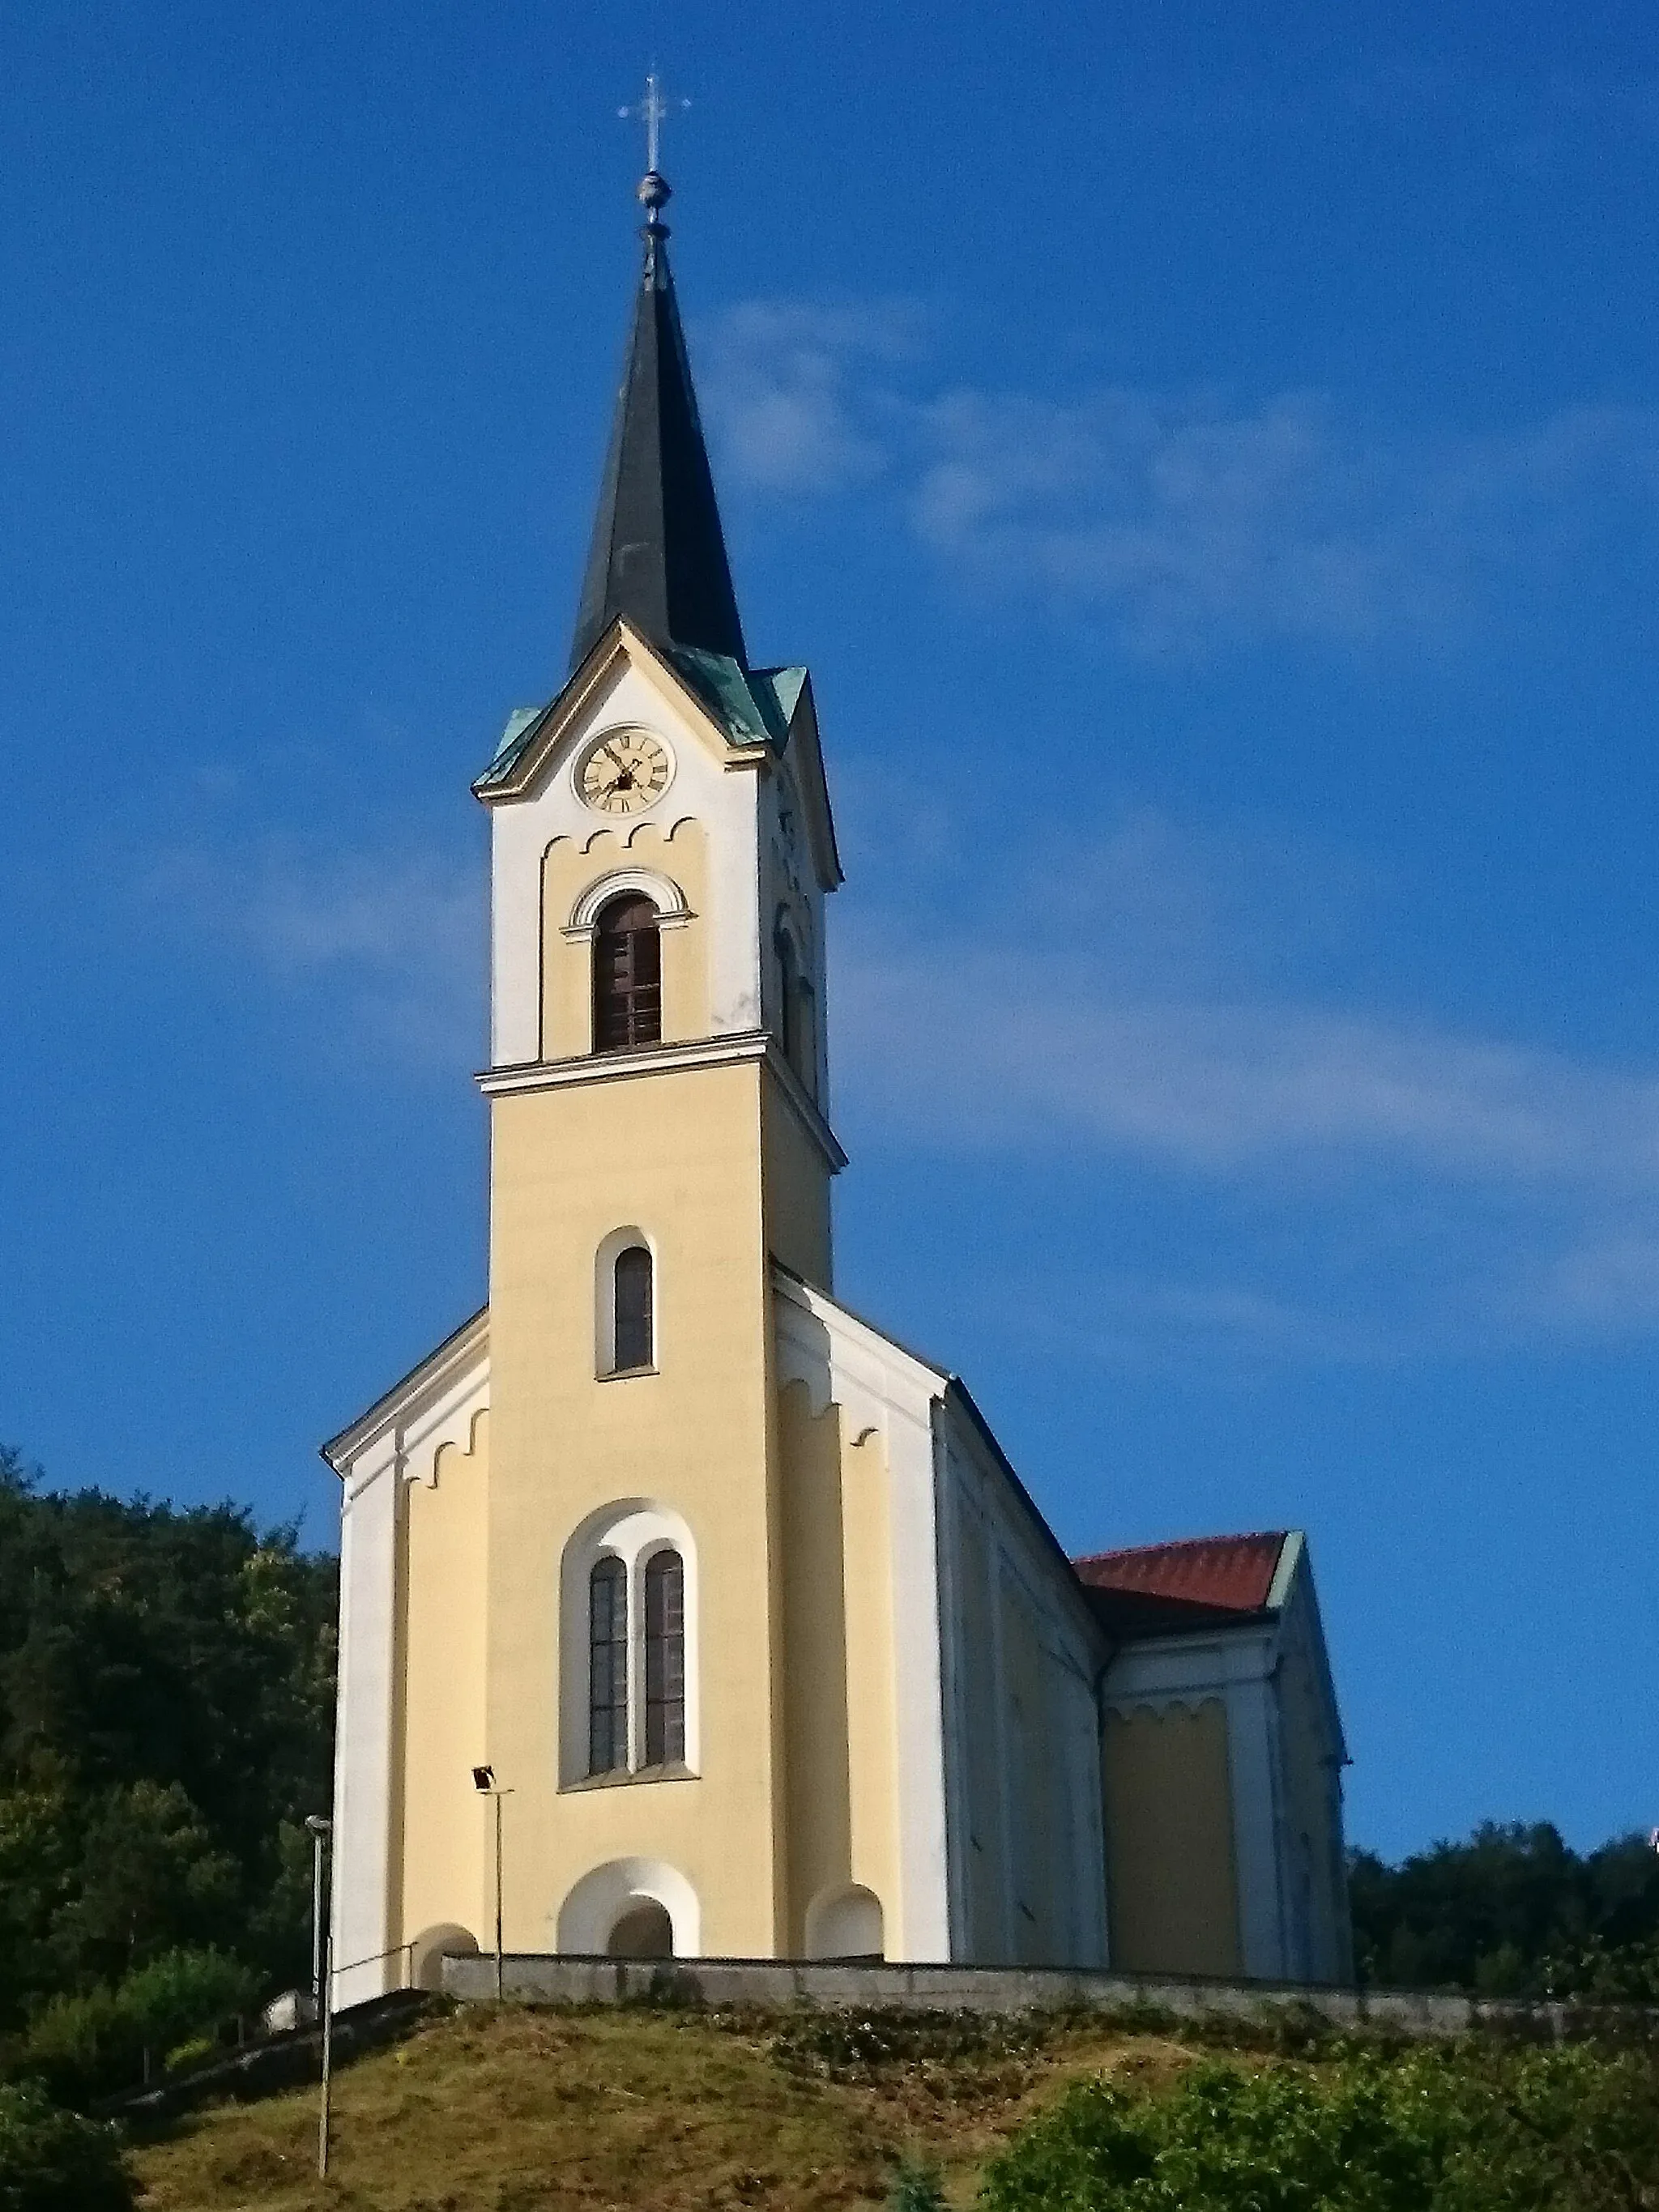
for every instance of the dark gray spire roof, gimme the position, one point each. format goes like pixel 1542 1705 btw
pixel 658 554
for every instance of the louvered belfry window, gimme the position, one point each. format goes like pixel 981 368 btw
pixel 634 1317
pixel 664 1659
pixel 627 976
pixel 607 1676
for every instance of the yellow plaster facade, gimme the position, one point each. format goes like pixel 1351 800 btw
pixel 444 1589
pixel 1171 1872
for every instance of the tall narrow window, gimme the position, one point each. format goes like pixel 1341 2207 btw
pixel 789 999
pixel 627 976
pixel 607 1667
pixel 664 1659
pixel 632 1280
pixel 797 1011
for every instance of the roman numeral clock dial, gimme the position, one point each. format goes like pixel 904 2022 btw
pixel 624 772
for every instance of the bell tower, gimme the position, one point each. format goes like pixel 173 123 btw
pixel 661 851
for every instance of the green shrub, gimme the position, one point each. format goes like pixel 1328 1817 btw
pixel 88 2046
pixel 916 2188
pixel 183 1992
pixel 1431 2131
pixel 195 2053
pixel 81 2046
pixel 52 2160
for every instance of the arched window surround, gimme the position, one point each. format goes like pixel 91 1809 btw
pixel 664 893
pixel 611 1249
pixel 633 1530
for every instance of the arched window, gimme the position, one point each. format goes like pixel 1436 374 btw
pixel 788 989
pixel 631 1284
pixel 607 1669
pixel 627 976
pixel 797 1010
pixel 664 1659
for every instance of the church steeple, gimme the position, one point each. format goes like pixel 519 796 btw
pixel 658 554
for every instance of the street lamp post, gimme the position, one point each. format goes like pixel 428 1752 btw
pixel 484 1782
pixel 322 1976
pixel 320 1829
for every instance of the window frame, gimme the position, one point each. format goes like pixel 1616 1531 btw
pixel 609 1251
pixel 633 1531
pixel 634 1331
pixel 610 1571
pixel 662 1697
pixel 640 998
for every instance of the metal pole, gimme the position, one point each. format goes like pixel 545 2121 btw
pixel 322 1974
pixel 325 2112
pixel 317 1920
pixel 499 1977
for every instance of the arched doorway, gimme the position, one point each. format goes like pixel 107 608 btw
pixel 642 1930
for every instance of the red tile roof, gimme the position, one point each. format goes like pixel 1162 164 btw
pixel 1221 1574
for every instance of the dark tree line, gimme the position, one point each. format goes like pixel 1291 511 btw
pixel 1512 1913
pixel 166 1683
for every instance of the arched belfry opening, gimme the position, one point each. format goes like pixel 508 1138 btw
pixel 627 976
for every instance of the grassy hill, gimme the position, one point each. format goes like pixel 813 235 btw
pixel 664 2111
pixel 530 2110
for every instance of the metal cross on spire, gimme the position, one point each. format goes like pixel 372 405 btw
pixel 654 112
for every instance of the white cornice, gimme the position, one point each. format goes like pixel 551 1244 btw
pixel 668 1059
pixel 426 1396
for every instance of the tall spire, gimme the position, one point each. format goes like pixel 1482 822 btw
pixel 658 554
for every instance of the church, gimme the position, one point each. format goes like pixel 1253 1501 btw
pixel 683 1611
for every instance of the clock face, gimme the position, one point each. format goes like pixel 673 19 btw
pixel 624 772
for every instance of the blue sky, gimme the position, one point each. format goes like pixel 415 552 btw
pixel 1210 458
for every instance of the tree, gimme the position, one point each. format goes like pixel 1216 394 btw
pixel 55 2162
pixel 1512 1911
pixel 166 1722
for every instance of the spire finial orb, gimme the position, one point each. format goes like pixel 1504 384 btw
pixel 652 111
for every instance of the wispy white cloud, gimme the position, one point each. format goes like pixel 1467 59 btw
pixel 1427 1186
pixel 1219 1087
pixel 789 387
pixel 396 935
pixel 1183 517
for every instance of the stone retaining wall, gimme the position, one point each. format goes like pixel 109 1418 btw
pixel 779 1984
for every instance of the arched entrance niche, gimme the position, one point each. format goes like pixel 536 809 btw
pixel 641 1930
pixel 432 1947
pixel 611 1907
pixel 845 1923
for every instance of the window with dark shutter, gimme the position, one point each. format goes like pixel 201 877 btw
pixel 607 1667
pixel 627 976
pixel 632 1282
pixel 664 1659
